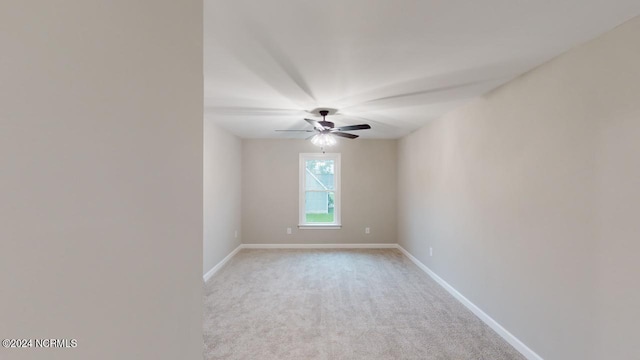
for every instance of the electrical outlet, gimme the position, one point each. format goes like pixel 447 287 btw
pixel 367 230
pixel 288 231
pixel 430 251
pixel 235 234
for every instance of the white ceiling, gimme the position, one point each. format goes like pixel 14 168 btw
pixel 395 64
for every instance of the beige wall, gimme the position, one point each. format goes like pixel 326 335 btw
pixel 530 199
pixel 222 193
pixel 101 178
pixel 270 192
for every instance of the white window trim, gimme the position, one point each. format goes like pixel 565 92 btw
pixel 337 209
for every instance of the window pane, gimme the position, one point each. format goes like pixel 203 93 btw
pixel 319 175
pixel 318 206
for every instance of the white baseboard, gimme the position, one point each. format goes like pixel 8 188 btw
pixel 319 246
pixel 510 338
pixel 218 266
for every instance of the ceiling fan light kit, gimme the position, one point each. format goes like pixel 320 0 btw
pixel 323 140
pixel 326 131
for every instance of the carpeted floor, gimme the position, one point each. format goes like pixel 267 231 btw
pixel 338 304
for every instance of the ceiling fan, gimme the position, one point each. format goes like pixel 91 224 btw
pixel 326 130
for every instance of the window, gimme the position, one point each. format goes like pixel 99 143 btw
pixel 319 191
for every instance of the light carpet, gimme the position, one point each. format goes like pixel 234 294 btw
pixel 338 304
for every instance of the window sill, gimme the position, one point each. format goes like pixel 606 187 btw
pixel 320 227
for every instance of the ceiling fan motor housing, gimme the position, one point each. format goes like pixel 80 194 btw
pixel 324 122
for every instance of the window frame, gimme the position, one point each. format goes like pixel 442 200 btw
pixel 302 166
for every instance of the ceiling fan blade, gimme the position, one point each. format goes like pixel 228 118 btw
pixel 344 135
pixel 315 124
pixel 353 127
pixel 310 137
pixel 379 122
pixel 298 130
